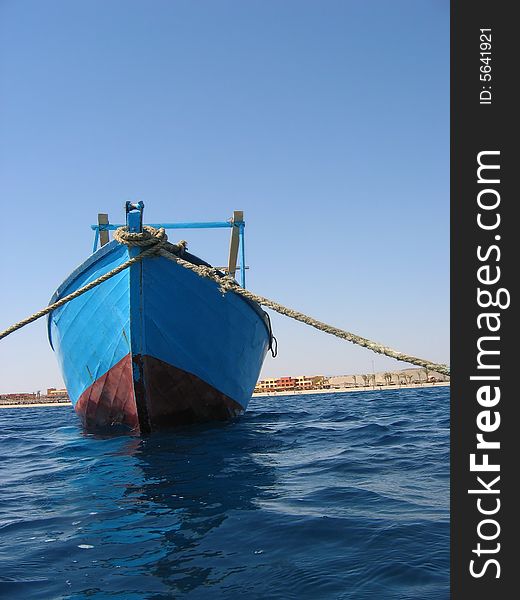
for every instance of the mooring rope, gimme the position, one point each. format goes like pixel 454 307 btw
pixel 155 243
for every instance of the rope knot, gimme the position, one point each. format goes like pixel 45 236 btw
pixel 228 282
pixel 148 238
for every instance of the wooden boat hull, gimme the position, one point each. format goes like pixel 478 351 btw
pixel 156 345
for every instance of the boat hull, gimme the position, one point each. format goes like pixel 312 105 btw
pixel 155 346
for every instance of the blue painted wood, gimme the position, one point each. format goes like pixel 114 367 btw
pixel 134 220
pixel 91 333
pixel 96 240
pixel 187 225
pixel 242 256
pixel 190 324
pixel 162 310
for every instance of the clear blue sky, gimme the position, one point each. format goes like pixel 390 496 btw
pixel 327 122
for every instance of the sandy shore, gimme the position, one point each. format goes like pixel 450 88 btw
pixel 368 388
pixel 35 404
pixel 288 393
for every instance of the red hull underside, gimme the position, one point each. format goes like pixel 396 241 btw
pixel 165 396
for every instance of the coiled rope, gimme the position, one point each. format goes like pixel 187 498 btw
pixel 154 242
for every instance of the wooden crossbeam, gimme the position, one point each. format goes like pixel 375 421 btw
pixel 238 217
pixel 103 234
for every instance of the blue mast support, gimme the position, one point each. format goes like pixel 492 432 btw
pixel 96 239
pixel 137 209
pixel 134 217
pixel 242 255
pixel 194 225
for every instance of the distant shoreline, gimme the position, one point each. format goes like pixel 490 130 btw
pixel 35 404
pixel 367 388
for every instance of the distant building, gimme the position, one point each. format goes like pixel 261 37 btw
pixel 303 382
pixel 54 393
pixel 283 384
pixel 275 385
pixel 266 385
pixel 320 382
pixel 364 381
pixel 20 397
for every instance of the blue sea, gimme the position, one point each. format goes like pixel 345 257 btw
pixel 341 495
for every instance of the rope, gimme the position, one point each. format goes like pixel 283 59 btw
pixel 150 237
pixel 227 283
pixel 155 241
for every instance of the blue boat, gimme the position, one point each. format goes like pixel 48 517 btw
pixel 157 345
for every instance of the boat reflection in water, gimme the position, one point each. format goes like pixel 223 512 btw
pixel 168 518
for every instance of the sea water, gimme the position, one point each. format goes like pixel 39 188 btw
pixel 340 495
